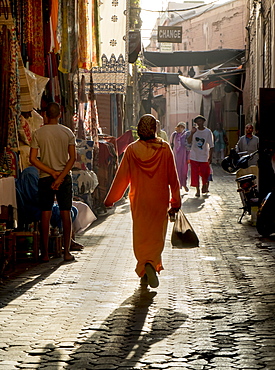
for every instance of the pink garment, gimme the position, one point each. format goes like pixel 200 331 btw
pixel 181 154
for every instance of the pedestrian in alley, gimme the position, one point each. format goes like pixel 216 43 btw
pixel 201 140
pixel 148 166
pixel 56 147
pixel 220 143
pixel 181 150
pixel 248 144
pixel 161 133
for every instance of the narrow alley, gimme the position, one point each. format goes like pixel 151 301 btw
pixel 214 308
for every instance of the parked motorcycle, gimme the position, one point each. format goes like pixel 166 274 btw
pixel 247 183
pixel 248 189
pixel 266 215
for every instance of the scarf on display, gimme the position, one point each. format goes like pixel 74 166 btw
pixel 68 54
pixel 88 38
pixel 4 85
pixel 91 119
pixel 9 81
pixel 10 88
pixel 33 35
pixel 14 92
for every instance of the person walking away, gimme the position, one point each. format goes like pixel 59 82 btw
pixel 220 143
pixel 201 140
pixel 248 144
pixel 161 133
pixel 181 150
pixel 55 144
pixel 148 166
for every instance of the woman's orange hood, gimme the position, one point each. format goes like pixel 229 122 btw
pixel 148 154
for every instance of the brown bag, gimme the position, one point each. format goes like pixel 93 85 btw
pixel 183 235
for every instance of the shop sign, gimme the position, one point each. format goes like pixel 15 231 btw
pixel 166 47
pixel 169 34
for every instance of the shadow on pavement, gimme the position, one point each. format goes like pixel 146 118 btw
pixel 121 207
pixel 21 283
pixel 124 337
pixel 192 205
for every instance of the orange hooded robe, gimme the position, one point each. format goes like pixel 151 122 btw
pixel 149 168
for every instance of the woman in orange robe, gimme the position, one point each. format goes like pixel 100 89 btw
pixel 148 166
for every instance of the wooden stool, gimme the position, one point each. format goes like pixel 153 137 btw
pixel 10 250
pixel 55 245
pixel 33 247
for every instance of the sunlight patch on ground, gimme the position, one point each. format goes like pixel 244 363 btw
pixel 208 258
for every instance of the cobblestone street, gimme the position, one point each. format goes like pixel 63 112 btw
pixel 214 307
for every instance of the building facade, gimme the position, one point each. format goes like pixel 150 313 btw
pixel 204 28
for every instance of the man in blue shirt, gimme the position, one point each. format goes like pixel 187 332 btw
pixel 248 143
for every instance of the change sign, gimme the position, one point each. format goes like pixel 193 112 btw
pixel 169 34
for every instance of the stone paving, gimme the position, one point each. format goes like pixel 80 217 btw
pixel 214 308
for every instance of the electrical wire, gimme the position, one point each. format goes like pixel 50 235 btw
pixel 177 10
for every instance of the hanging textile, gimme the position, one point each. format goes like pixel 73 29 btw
pixel 82 99
pixel 4 85
pixel 34 38
pixel 37 86
pixel 111 76
pixel 91 118
pixel 14 92
pixel 114 117
pixel 67 100
pixel 113 27
pixel 52 73
pixel 54 25
pixel 46 11
pixel 26 103
pixel 9 81
pixel 68 54
pixel 88 34
pixel 95 35
pixel 108 58
pixel 84 45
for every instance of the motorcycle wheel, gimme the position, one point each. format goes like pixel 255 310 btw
pixel 263 229
pixel 265 224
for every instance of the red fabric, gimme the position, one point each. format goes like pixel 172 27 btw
pixel 123 141
pixel 24 131
pixel 104 154
pixel 112 140
pixel 206 85
pixel 199 169
pixel 35 37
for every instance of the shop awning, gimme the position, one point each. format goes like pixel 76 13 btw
pixel 233 78
pixel 163 78
pixel 194 58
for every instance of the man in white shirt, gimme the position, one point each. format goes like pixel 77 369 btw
pixel 202 144
pixel 56 146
